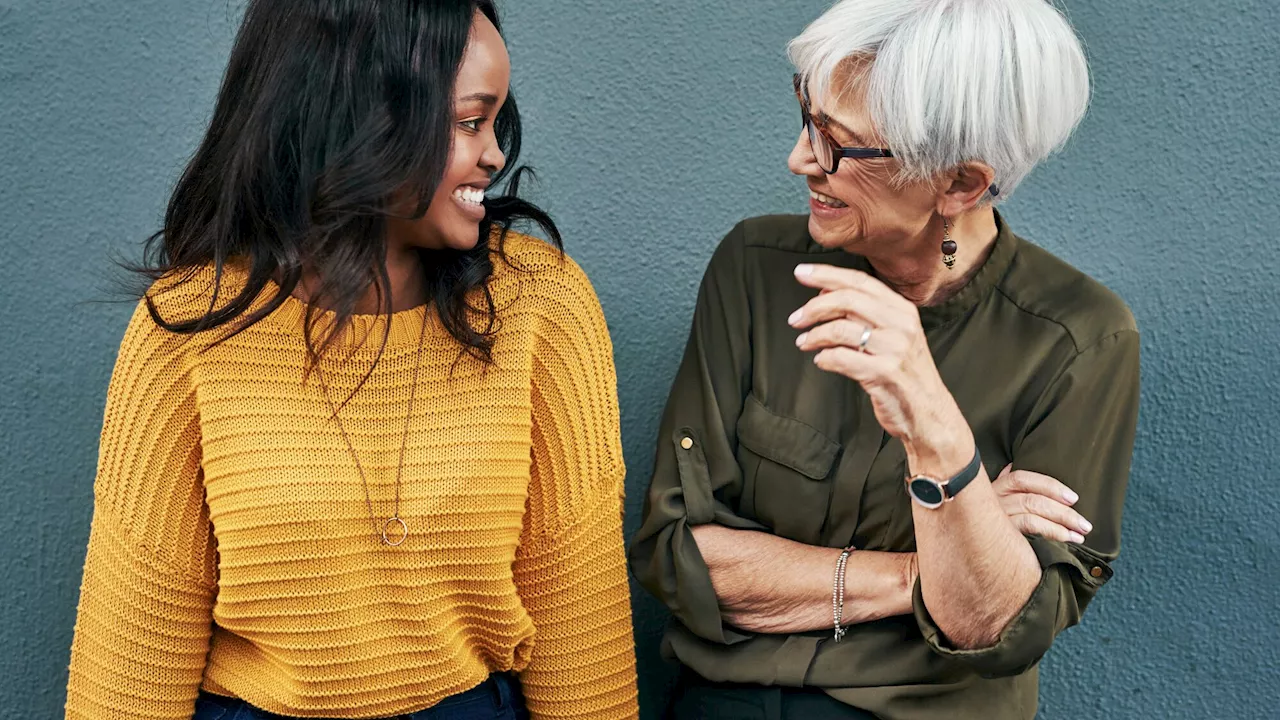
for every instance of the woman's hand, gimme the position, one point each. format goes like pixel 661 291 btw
pixel 1040 505
pixel 866 331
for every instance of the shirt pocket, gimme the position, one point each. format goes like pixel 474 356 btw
pixel 786 469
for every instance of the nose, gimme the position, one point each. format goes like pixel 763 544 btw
pixel 493 159
pixel 801 160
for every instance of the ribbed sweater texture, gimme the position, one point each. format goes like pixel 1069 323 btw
pixel 232 548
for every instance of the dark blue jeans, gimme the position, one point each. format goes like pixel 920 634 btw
pixel 498 698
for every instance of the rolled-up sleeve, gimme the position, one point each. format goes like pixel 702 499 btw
pixel 696 461
pixel 1081 432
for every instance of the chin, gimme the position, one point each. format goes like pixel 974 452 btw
pixel 837 236
pixel 463 238
pixel 464 244
pixel 823 235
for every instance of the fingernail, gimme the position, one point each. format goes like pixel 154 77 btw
pixel 1077 538
pixel 1071 497
pixel 795 317
pixel 804 270
pixel 1086 526
pixel 800 340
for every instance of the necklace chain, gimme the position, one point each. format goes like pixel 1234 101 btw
pixel 383 532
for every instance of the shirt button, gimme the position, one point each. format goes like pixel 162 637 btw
pixel 1096 572
pixel 686 442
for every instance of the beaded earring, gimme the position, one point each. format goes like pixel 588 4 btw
pixel 948 245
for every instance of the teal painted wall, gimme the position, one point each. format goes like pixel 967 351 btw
pixel 656 125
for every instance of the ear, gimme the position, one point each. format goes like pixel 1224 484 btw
pixel 963 187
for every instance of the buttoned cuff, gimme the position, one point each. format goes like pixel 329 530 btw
pixel 1070 576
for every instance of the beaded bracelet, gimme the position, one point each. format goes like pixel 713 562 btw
pixel 837 593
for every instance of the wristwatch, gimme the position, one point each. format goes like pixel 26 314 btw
pixel 931 493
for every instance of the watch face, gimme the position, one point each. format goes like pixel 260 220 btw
pixel 927 492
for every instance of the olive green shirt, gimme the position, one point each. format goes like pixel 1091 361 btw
pixel 1042 360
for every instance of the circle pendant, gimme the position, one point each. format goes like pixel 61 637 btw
pixel 390 536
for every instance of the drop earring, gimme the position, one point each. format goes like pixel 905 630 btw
pixel 948 245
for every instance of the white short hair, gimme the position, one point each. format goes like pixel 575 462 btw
pixel 1002 82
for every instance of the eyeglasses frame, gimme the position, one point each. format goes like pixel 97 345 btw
pixel 838 151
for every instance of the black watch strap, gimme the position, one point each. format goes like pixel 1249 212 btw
pixel 957 483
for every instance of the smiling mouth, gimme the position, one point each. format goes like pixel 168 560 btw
pixel 826 200
pixel 469 195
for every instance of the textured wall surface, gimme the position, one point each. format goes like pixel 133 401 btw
pixel 656 125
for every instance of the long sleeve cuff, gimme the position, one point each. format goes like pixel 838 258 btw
pixel 1070 576
pixel 691 597
pixel 141 635
pixel 575 587
pixel 670 565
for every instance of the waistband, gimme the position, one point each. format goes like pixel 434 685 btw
pixel 703 699
pixel 502 689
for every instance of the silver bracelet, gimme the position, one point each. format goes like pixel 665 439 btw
pixel 837 593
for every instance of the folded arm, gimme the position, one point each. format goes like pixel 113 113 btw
pixel 769 584
pixel 987 594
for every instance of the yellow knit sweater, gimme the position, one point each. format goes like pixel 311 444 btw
pixel 232 548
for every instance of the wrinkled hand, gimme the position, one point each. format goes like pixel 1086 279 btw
pixel 1040 505
pixel 864 330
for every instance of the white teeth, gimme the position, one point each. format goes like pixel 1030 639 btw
pixel 826 200
pixel 475 196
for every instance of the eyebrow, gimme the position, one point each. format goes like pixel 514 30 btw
pixel 486 98
pixel 854 136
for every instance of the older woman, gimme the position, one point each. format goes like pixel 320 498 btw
pixel 805 576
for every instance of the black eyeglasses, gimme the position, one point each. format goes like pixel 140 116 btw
pixel 825 149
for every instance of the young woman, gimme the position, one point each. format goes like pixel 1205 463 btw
pixel 360 455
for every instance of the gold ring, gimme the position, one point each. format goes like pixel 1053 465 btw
pixel 404 532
